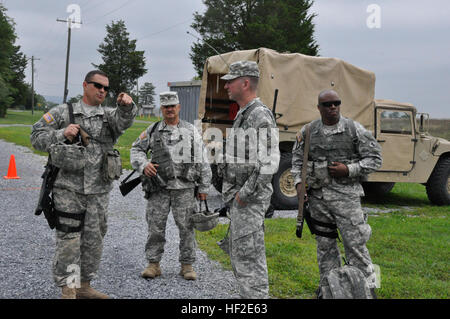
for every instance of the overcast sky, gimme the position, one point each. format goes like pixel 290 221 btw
pixel 406 43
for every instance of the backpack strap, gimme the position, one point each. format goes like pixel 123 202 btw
pixel 71 116
pixel 352 127
pixel 246 114
pixel 153 129
pixel 72 121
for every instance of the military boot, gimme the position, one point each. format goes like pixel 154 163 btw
pixel 151 271
pixel 68 293
pixel 188 272
pixel 87 292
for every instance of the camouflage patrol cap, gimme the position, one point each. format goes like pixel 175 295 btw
pixel 242 68
pixel 168 98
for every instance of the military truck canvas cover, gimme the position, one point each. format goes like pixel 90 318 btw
pixel 299 79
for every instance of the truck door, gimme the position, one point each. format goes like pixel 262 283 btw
pixel 396 135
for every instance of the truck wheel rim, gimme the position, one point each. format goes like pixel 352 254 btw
pixel 287 186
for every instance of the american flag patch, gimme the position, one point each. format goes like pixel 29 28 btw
pixel 48 118
pixel 143 135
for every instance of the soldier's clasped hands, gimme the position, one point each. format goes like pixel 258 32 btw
pixel 337 169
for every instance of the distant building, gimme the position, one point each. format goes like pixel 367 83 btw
pixel 188 94
pixel 146 110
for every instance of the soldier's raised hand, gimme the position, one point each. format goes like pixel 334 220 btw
pixel 124 99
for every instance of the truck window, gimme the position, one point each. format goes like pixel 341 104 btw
pixel 395 122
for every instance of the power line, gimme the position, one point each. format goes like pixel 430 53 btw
pixel 32 83
pixel 97 19
pixel 164 30
pixel 91 6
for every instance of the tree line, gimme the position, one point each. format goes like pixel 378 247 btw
pixel 226 25
pixel 13 62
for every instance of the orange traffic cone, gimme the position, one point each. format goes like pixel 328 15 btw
pixel 12 172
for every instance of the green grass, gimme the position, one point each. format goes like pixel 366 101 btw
pixel 403 194
pixel 125 141
pixel 19 135
pixel 148 119
pixel 410 243
pixel 411 248
pixel 413 254
pixel 21 117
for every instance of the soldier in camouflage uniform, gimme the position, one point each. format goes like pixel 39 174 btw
pixel 342 153
pixel 176 165
pixel 81 194
pixel 247 184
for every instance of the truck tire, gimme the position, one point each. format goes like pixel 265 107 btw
pixel 373 189
pixel 284 195
pixel 438 184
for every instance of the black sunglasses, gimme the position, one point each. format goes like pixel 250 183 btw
pixel 330 103
pixel 99 86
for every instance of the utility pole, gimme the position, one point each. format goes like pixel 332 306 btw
pixel 69 21
pixel 32 83
pixel 137 91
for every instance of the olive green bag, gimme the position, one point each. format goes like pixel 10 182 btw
pixel 112 165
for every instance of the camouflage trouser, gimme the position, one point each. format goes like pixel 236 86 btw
pixel 347 214
pixel 248 253
pixel 78 254
pixel 181 201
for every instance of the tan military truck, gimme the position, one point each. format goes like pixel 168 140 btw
pixel 410 154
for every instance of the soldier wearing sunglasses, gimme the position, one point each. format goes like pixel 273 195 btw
pixel 341 154
pixel 81 191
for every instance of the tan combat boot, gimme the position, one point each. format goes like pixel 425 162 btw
pixel 151 271
pixel 68 293
pixel 188 272
pixel 87 292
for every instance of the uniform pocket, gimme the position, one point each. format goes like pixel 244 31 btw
pixel 244 246
pixel 112 166
pixel 363 230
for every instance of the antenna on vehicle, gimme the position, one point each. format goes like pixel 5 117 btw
pixel 210 47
